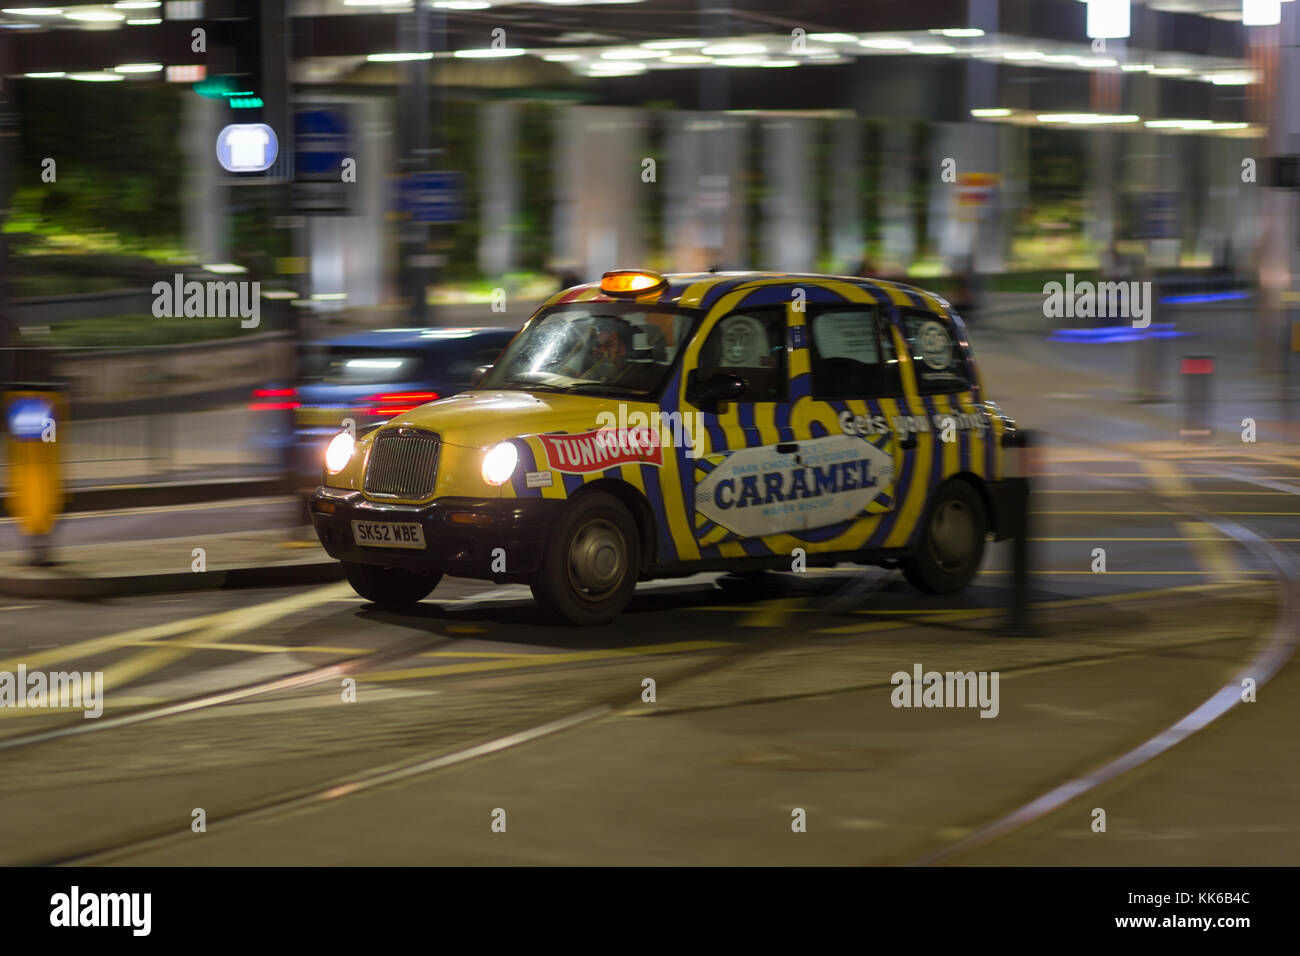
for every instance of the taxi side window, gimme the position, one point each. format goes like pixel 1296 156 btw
pixel 939 362
pixel 750 345
pixel 852 356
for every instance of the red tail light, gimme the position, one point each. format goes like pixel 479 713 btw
pixel 284 403
pixel 396 403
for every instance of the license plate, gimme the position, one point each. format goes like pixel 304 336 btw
pixel 387 534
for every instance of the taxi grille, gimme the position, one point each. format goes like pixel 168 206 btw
pixel 402 466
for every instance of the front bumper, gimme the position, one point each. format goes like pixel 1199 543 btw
pixel 460 534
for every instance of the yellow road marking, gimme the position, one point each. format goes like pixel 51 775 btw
pixel 1262 514
pixel 540 660
pixel 313 649
pixel 978 612
pixel 1166 478
pixel 1208 537
pixel 771 613
pixel 219 623
pixel 229 624
pixel 1212 553
pixel 1142 474
pixel 19 607
pixel 1111 573
pixel 1127 491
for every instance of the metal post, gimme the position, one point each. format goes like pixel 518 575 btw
pixel 1021 623
pixel 416 234
pixel 1198 418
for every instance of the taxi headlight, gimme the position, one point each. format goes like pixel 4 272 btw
pixel 499 463
pixel 339 452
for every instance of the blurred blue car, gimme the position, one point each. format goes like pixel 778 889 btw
pixel 369 377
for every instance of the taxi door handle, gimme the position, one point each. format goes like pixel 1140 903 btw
pixel 786 448
pixel 908 441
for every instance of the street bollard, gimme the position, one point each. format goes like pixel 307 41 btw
pixel 1020 529
pixel 34 413
pixel 1198 375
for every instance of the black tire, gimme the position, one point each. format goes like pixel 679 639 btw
pixel 390 587
pixel 952 541
pixel 591 561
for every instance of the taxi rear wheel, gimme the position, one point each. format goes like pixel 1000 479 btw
pixel 952 544
pixel 390 587
pixel 590 565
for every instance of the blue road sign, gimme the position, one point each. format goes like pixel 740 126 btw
pixel 27 417
pixel 247 147
pixel 321 143
pixel 434 196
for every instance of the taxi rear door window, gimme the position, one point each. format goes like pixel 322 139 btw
pixel 852 356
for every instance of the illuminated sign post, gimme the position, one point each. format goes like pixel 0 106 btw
pixel 32 420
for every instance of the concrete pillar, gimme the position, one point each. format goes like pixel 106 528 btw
pixel 1012 195
pixel 1100 190
pixel 948 224
pixel 789 231
pixel 204 190
pixel 844 198
pixel 599 153
pixel 1244 200
pixel 1170 170
pixel 498 187
pixel 898 230
pixel 704 211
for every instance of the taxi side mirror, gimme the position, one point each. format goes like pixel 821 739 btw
pixel 718 387
pixel 478 374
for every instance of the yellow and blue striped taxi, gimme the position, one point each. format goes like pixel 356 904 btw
pixel 650 425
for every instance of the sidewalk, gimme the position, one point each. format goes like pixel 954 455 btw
pixel 1093 387
pixel 243 560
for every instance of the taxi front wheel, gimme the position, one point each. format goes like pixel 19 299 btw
pixel 389 587
pixel 589 567
pixel 952 545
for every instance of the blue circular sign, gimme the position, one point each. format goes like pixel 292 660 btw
pixel 27 417
pixel 247 147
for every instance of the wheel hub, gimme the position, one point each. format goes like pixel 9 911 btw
pixel 597 559
pixel 952 535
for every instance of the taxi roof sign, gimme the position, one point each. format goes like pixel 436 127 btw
pixel 630 282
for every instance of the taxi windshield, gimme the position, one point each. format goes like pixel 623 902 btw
pixel 597 348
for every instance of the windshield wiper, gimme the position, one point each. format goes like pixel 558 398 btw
pixel 522 387
pixel 606 387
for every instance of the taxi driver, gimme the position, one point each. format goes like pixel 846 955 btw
pixel 606 351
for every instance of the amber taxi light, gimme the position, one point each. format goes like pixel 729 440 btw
pixel 630 282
